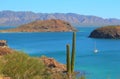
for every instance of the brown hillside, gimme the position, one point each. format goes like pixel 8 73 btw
pixel 43 26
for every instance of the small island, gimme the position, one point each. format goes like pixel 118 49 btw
pixel 109 32
pixel 44 26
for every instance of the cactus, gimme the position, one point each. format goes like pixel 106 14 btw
pixel 71 59
pixel 68 59
pixel 73 52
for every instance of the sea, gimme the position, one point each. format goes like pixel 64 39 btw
pixel 105 64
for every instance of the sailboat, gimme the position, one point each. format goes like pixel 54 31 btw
pixel 95 49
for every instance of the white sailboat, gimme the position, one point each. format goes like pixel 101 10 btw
pixel 95 49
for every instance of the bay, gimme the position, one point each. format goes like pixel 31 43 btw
pixel 103 65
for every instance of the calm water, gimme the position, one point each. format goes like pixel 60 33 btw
pixel 103 65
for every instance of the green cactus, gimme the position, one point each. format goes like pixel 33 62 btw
pixel 68 59
pixel 73 52
pixel 71 59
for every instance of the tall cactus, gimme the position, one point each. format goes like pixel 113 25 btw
pixel 73 52
pixel 68 59
pixel 71 59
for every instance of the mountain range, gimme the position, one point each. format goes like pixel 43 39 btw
pixel 12 18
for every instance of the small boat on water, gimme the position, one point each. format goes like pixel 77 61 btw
pixel 95 49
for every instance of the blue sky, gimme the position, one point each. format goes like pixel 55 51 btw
pixel 102 8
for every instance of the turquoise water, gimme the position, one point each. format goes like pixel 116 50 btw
pixel 103 65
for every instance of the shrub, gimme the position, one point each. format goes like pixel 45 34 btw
pixel 21 66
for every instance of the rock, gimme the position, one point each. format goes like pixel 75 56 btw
pixel 111 32
pixel 44 26
pixel 4 49
pixel 53 64
pixel 3 43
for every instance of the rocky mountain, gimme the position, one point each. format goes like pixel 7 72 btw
pixel 11 18
pixel 111 32
pixel 52 25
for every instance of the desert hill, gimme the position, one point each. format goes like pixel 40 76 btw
pixel 43 26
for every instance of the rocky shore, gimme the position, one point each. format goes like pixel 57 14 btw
pixel 52 66
pixel 49 62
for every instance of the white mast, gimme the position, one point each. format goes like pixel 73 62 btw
pixel 95 49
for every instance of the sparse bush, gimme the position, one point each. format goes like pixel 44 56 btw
pixel 21 66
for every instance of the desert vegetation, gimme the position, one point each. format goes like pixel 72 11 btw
pixel 18 65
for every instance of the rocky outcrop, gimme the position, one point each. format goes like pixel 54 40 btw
pixel 111 32
pixel 53 64
pixel 43 26
pixel 3 43
pixel 4 49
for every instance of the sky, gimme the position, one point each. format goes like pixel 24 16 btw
pixel 101 8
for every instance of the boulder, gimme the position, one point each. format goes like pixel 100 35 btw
pixel 4 49
pixel 53 64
